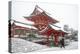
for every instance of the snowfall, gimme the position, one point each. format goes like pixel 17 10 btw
pixel 23 46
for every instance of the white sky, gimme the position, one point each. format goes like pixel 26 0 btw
pixel 64 13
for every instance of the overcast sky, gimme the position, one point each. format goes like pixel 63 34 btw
pixel 64 13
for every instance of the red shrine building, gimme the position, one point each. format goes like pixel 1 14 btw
pixel 41 19
pixel 42 22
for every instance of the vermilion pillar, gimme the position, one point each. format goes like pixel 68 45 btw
pixel 56 39
pixel 48 41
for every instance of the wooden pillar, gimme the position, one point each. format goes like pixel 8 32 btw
pixel 56 40
pixel 13 31
pixel 24 32
pixel 48 41
pixel 19 33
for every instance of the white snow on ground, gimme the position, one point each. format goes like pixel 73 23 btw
pixel 72 45
pixel 20 45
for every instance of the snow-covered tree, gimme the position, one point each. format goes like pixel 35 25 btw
pixel 75 35
pixel 66 28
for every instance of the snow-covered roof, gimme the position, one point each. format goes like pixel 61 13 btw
pixel 23 23
pixel 55 27
pixel 27 26
pixel 58 28
pixel 23 20
pixel 39 12
pixel 36 11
